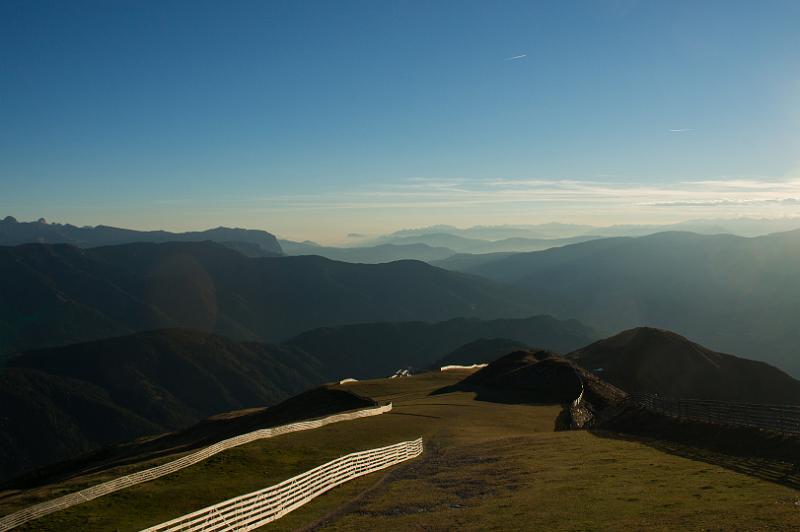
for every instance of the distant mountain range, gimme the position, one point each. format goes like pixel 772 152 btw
pixel 379 349
pixel 435 247
pixel 371 254
pixel 500 232
pixel 460 244
pixel 731 293
pixel 250 241
pixel 743 226
pixel 443 245
pixel 736 226
pixel 471 244
pixel 662 362
pixel 59 294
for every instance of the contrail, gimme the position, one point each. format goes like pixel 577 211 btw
pixel 516 57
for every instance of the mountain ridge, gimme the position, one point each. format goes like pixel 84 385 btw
pixel 652 360
pixel 59 294
pixel 103 392
pixel 370 254
pixel 731 293
pixel 420 344
pixel 14 233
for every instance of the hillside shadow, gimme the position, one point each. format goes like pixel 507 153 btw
pixel 413 415
pixel 509 397
pixel 762 467
pixel 495 395
pixel 315 403
pixel 763 454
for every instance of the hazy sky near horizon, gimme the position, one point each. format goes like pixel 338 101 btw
pixel 316 119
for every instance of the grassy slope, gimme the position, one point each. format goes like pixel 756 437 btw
pixel 486 466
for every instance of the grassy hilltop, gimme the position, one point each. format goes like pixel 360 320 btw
pixel 486 466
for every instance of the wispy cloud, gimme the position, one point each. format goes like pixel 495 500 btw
pixel 459 200
pixel 724 202
pixel 750 183
pixel 564 197
pixel 681 130
pixel 515 57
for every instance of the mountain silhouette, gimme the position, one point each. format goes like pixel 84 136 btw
pixel 733 294
pixel 13 233
pixel 652 360
pixel 481 351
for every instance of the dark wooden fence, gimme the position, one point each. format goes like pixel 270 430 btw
pixel 779 418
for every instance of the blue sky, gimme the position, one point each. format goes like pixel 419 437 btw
pixel 315 119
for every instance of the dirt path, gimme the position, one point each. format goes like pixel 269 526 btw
pixel 432 452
